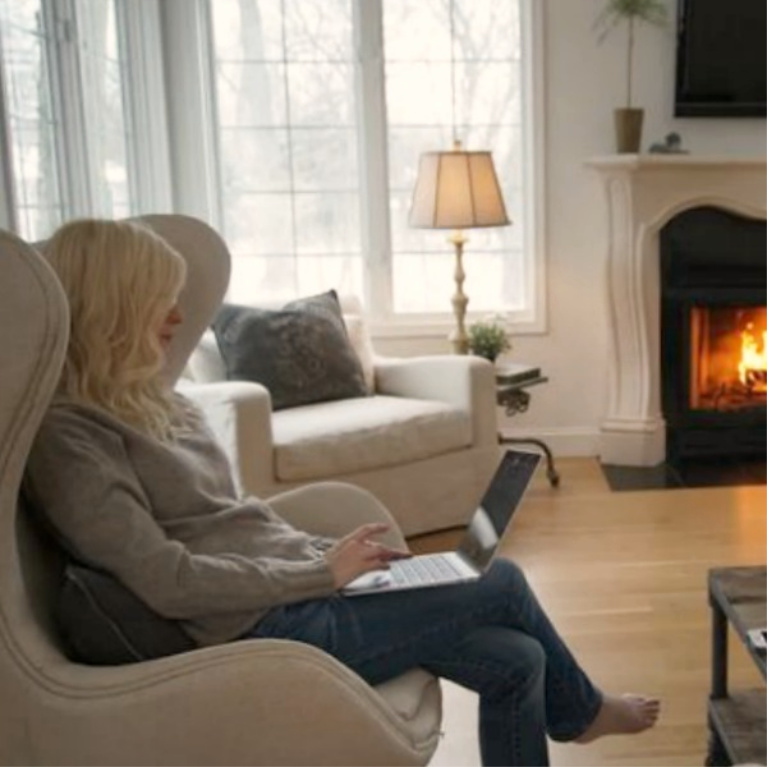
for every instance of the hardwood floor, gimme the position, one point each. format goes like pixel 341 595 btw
pixel 623 577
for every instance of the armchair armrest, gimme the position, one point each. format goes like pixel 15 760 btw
pixel 466 382
pixel 200 708
pixel 239 413
pixel 334 509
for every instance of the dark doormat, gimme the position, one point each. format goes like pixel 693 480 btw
pixel 718 472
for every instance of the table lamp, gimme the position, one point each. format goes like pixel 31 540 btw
pixel 457 190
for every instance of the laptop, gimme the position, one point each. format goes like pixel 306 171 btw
pixel 479 543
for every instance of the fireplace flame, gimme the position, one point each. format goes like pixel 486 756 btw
pixel 752 368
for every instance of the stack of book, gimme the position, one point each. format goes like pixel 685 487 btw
pixel 510 374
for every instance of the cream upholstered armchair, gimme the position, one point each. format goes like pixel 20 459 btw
pixel 251 702
pixel 424 441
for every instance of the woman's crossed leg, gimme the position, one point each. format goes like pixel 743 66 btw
pixel 489 635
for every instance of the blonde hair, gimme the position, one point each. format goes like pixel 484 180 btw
pixel 121 280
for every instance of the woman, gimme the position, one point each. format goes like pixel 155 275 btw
pixel 128 473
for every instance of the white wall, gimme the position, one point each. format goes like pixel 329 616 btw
pixel 585 81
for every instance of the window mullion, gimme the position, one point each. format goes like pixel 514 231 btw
pixel 188 70
pixel 534 115
pixel 8 219
pixel 373 154
pixel 148 151
pixel 68 100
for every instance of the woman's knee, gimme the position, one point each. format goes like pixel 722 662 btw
pixel 495 661
pixel 521 658
pixel 509 575
pixel 531 653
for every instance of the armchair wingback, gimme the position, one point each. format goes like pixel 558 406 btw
pixel 424 442
pixel 235 704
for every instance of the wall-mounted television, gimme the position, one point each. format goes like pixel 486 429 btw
pixel 721 58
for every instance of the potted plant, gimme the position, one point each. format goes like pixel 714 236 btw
pixel 488 338
pixel 628 120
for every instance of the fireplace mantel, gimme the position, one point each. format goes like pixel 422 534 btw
pixel 643 192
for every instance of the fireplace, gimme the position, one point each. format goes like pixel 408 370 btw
pixel 645 194
pixel 728 364
pixel 713 329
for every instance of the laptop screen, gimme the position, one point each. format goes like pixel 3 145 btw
pixel 498 505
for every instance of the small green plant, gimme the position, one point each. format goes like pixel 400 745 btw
pixel 489 338
pixel 650 11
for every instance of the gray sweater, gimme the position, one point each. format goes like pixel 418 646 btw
pixel 166 521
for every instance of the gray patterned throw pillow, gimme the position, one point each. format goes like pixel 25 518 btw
pixel 301 353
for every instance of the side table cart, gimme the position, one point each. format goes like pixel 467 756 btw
pixel 736 719
pixel 511 383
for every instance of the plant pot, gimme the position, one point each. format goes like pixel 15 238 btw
pixel 628 130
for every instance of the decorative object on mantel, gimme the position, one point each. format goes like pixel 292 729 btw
pixel 457 190
pixel 488 338
pixel 629 119
pixel 672 145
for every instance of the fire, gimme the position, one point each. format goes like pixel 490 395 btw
pixel 752 368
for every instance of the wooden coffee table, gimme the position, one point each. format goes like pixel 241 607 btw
pixel 736 718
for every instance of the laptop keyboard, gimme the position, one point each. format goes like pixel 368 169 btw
pixel 427 568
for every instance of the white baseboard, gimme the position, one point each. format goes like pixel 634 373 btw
pixel 566 443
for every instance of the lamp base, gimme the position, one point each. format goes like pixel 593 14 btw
pixel 459 338
pixel 460 343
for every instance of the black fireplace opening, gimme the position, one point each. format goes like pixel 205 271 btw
pixel 713 266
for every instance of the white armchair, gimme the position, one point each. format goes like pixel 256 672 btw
pixel 424 443
pixel 250 702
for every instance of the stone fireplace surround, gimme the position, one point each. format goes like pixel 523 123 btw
pixel 643 193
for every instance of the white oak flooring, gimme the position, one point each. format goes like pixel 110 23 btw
pixel 623 576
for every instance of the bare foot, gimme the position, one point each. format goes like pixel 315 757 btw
pixel 622 715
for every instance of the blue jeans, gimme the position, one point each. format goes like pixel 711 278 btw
pixel 490 636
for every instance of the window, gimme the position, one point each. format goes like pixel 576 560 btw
pixel 322 110
pixel 295 127
pixel 465 79
pixel 71 112
pixel 287 133
pixel 30 117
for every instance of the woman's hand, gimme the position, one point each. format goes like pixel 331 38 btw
pixel 356 554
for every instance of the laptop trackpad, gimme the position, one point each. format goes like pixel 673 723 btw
pixel 372 580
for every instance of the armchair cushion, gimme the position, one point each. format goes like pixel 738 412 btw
pixel 104 624
pixel 341 438
pixel 301 353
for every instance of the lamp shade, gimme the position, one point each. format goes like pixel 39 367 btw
pixel 457 190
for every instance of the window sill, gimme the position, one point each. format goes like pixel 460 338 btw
pixel 425 329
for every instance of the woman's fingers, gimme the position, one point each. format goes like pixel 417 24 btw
pixel 392 554
pixel 363 532
pixel 361 536
pixel 379 553
pixel 356 553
